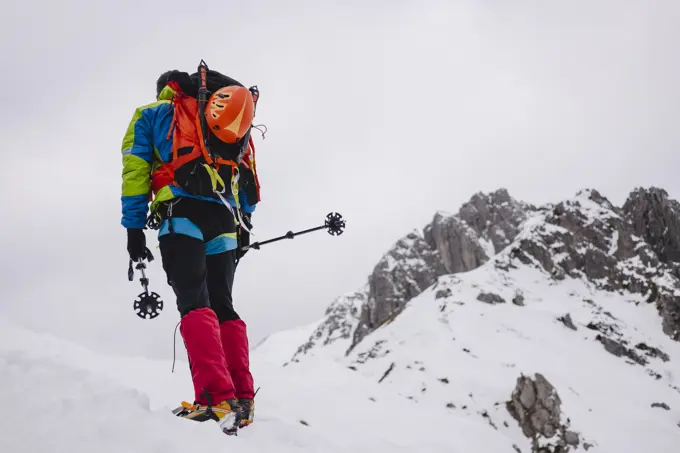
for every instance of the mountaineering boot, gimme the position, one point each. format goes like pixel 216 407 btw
pixel 247 411
pixel 227 414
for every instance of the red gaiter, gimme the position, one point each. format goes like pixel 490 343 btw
pixel 201 332
pixel 235 345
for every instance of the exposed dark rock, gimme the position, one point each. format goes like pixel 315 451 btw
pixel 536 406
pixel 389 370
pixel 662 406
pixel 490 298
pixel 598 264
pixel 539 252
pixel 653 352
pixel 442 293
pixel 571 438
pixel 496 216
pixel 619 350
pixel 656 218
pixel 375 351
pixel 654 374
pixel 518 299
pixel 457 243
pixel 602 327
pixel 567 321
pixel 486 415
pixel 669 307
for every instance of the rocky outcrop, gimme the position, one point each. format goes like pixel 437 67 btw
pixel 490 298
pixel 459 245
pixel 618 349
pixel 496 217
pixel 630 249
pixel 405 271
pixel 340 322
pixel 669 307
pixel 567 321
pixel 484 225
pixel 536 406
pixel 656 218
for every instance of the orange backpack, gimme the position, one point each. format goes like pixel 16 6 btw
pixel 201 164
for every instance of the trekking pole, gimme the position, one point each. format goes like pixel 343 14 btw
pixel 334 224
pixel 148 305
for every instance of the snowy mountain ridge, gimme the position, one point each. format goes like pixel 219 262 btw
pixel 578 295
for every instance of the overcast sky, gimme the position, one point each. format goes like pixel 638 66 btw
pixel 385 111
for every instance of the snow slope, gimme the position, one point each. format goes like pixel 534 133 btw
pixel 62 397
pixel 459 351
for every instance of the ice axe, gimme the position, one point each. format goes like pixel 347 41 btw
pixel 334 224
pixel 148 305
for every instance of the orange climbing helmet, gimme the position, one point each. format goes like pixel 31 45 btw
pixel 230 113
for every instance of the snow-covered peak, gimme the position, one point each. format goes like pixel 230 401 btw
pixel 588 238
pixel 585 236
pixel 524 334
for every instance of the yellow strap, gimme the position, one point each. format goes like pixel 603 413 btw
pixel 215 178
pixel 234 186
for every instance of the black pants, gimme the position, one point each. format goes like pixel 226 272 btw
pixel 200 280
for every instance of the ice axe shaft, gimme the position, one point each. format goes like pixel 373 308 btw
pixel 334 224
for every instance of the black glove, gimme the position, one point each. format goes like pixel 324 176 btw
pixel 136 245
pixel 243 236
